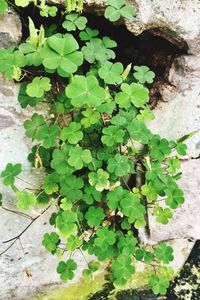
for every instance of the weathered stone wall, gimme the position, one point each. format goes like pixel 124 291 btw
pixel 177 113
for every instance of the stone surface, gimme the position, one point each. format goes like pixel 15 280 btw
pixel 32 258
pixel 176 20
pixel 186 222
pixel 10 29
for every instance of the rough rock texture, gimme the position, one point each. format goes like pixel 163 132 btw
pixel 10 29
pixel 176 20
pixel 177 114
pixel 31 258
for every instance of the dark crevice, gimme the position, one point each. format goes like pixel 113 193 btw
pixel 149 48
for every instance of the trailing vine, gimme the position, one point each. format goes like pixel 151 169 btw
pixel 103 170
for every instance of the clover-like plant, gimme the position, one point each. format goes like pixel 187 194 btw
pixel 102 169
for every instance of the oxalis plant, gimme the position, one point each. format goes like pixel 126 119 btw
pixel 103 171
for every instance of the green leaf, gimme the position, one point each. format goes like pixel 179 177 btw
pixel 22 3
pixel 122 270
pixel 175 196
pixel 159 284
pixel 112 135
pixel 104 238
pixel 181 149
pixel 91 117
pixel 3 7
pixel 38 86
pixel 88 34
pixel 99 180
pixel 117 9
pixel 91 195
pixel 159 148
pixel 132 208
pixel 85 90
pixel 134 93
pixel 60 161
pixel 127 244
pixel 66 223
pixel 145 115
pixel 174 165
pixel 50 184
pixel 114 197
pixel 66 269
pixel 119 165
pixel 138 131
pixel 50 241
pixel 94 216
pixel 143 74
pixel 73 242
pixel 60 53
pixel 164 253
pixel 10 172
pixel 150 192
pixel 34 125
pixel 79 157
pixel 25 200
pixel 24 99
pixel 99 50
pixel 73 21
pixel 72 133
pixel 111 73
pixel 71 187
pixel 162 215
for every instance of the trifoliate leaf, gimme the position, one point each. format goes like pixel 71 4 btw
pixel 88 34
pixel 138 131
pixel 38 86
pixel 99 180
pixel 117 9
pixel 66 223
pixel 99 50
pixel 114 197
pixel 134 93
pixel 72 133
pixel 50 241
pixel 164 253
pixel 73 21
pixel 149 191
pixel 105 238
pixel 159 148
pixel 60 161
pixel 79 157
pixel 122 270
pixel 50 184
pixel 111 73
pixel 119 165
pixel 174 165
pixel 162 215
pixel 132 208
pixel 91 117
pixel 159 284
pixel 71 187
pixel 175 196
pixel 62 53
pixel 73 242
pixel 24 99
pixel 94 216
pixel 25 200
pixel 85 90
pixel 66 269
pixel 10 172
pixel 143 74
pixel 112 135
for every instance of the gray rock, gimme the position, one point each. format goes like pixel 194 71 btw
pixel 31 257
pixel 186 222
pixel 10 29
